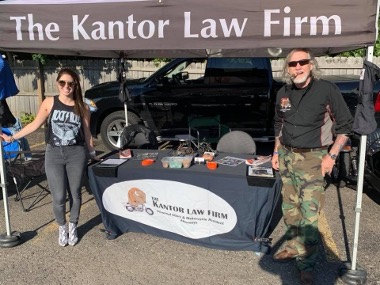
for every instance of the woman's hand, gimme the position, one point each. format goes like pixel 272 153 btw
pixel 6 138
pixel 93 155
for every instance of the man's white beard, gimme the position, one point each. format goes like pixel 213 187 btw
pixel 300 79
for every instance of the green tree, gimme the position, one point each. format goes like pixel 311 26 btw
pixel 39 58
pixel 362 52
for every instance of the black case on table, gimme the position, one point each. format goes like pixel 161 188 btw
pixel 260 181
pixel 107 170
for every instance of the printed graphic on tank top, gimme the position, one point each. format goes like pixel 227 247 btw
pixel 65 126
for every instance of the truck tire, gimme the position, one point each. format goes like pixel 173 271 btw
pixel 113 125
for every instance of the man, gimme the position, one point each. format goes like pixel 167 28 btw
pixel 312 122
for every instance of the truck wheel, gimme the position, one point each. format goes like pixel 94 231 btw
pixel 113 125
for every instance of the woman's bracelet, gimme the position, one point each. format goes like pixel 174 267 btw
pixel 92 153
pixel 275 152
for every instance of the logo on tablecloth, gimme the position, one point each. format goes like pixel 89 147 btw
pixel 136 201
pixel 176 207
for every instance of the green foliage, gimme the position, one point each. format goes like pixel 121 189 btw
pixel 354 53
pixel 39 57
pixel 362 52
pixel 157 61
pixel 26 118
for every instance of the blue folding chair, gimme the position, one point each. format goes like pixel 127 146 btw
pixel 24 170
pixel 12 149
pixel 16 148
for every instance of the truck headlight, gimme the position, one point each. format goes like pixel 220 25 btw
pixel 91 104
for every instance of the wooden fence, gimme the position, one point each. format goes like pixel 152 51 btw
pixel 93 72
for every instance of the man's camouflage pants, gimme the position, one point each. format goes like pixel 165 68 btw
pixel 303 195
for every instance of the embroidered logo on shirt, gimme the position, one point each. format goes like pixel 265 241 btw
pixel 285 104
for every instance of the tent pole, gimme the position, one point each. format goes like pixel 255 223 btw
pixel 359 186
pixel 122 94
pixel 354 275
pixel 10 239
pixel 359 197
pixel 350 274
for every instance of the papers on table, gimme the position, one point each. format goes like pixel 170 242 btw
pixel 230 161
pixel 112 162
pixel 258 160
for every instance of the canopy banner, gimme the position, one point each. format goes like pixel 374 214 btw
pixel 176 28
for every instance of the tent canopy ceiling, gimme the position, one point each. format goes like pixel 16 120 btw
pixel 191 28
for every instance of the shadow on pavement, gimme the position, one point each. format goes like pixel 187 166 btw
pixel 27 236
pixel 326 270
pixel 89 225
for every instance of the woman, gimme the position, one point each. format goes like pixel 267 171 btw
pixel 68 139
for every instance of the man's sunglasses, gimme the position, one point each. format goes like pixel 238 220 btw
pixel 63 83
pixel 302 62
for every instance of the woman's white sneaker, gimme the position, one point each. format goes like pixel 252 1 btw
pixel 73 235
pixel 62 237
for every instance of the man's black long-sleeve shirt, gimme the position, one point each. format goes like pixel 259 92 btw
pixel 312 116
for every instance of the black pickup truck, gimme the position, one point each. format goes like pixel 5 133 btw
pixel 239 90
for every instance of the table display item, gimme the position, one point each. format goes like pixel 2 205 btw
pixel 212 165
pixel 147 162
pixel 183 150
pixel 125 153
pixel 258 160
pixel 146 155
pixel 208 155
pixel 261 171
pixel 111 162
pixel 199 160
pixel 262 176
pixel 165 162
pixel 109 167
pixel 176 161
pixel 231 161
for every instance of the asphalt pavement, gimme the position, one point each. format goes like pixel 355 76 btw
pixel 138 258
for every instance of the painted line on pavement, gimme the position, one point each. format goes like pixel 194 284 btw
pixel 38 144
pixel 331 250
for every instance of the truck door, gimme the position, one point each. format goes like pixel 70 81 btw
pixel 169 102
pixel 241 92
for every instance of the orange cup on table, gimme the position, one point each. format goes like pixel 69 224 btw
pixel 147 162
pixel 212 165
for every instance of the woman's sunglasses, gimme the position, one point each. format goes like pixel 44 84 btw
pixel 302 62
pixel 63 83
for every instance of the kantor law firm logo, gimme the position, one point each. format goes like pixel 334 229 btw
pixel 180 208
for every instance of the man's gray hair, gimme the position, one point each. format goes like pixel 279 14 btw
pixel 314 73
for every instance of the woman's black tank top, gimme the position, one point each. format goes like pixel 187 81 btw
pixel 64 126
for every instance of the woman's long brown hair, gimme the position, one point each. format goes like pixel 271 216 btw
pixel 79 107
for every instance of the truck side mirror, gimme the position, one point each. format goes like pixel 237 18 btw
pixel 184 75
